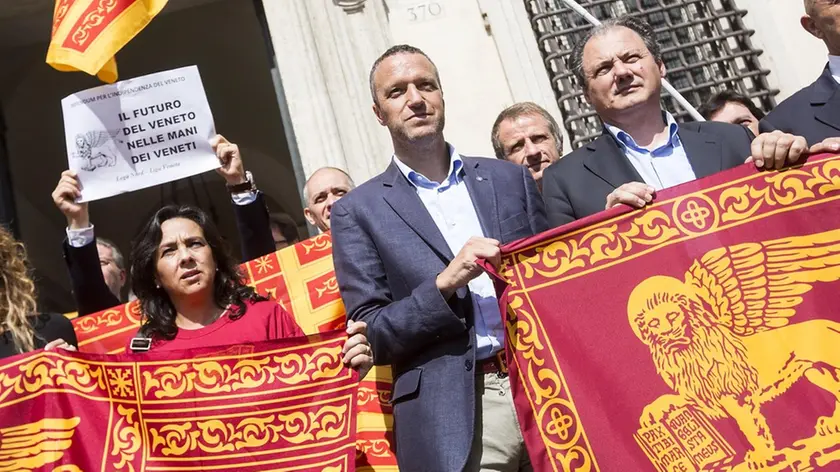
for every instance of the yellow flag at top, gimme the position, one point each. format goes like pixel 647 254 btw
pixel 86 34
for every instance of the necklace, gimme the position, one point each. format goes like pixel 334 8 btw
pixel 212 320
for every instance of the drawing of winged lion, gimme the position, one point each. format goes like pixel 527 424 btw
pixel 96 149
pixel 725 340
pixel 34 445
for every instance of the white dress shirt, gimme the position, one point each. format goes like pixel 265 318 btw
pixel 834 67
pixel 452 210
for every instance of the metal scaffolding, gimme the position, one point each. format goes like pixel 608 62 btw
pixel 705 48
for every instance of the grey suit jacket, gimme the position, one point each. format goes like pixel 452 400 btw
pixel 577 185
pixel 813 112
pixel 387 253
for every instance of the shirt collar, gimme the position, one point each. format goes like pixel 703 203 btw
pixel 834 67
pixel 627 141
pixel 455 175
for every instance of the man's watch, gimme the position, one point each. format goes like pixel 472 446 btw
pixel 247 186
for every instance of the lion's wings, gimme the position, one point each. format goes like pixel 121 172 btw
pixel 34 445
pixel 98 138
pixel 756 286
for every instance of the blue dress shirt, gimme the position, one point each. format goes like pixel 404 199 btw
pixel 452 210
pixel 663 167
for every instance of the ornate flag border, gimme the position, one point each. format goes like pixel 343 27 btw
pixel 622 235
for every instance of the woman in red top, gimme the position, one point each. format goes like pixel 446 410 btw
pixel 191 291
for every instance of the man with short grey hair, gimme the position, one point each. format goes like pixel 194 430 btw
pixel 112 262
pixel 814 111
pixel 642 148
pixel 323 188
pixel 527 135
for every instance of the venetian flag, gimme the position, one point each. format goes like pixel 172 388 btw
pixel 86 34
pixel 300 278
pixel 700 333
pixel 284 405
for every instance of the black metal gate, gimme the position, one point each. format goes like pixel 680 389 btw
pixel 705 45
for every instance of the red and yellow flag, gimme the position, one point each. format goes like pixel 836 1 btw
pixel 86 34
pixel 281 405
pixel 302 280
pixel 700 333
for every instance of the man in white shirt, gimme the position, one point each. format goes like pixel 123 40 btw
pixel 814 111
pixel 405 246
pixel 527 135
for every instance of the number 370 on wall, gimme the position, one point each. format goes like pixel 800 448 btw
pixel 424 11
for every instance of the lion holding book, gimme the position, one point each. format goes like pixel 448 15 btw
pixel 726 341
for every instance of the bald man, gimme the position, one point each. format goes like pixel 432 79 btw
pixel 814 111
pixel 323 188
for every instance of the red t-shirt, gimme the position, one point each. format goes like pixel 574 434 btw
pixel 262 321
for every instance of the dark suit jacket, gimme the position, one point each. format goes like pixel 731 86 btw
pixel 813 112
pixel 255 239
pixel 387 252
pixel 577 185
pixel 90 291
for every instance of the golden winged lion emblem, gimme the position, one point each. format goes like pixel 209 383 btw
pixel 725 340
pixel 34 445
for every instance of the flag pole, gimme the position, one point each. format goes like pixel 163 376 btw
pixel 668 87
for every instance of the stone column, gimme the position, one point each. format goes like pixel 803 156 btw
pixel 794 57
pixel 522 61
pixel 454 34
pixel 324 50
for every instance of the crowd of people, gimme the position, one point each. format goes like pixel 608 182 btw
pixel 406 242
pixel 188 284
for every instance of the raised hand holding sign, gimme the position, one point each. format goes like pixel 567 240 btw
pixel 139 132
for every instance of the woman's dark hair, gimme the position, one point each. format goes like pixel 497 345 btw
pixel 720 99
pixel 158 310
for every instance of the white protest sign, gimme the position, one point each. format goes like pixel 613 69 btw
pixel 138 133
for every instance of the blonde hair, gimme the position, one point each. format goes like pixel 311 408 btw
pixel 17 293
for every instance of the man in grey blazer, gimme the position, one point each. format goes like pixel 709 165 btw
pixel 405 246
